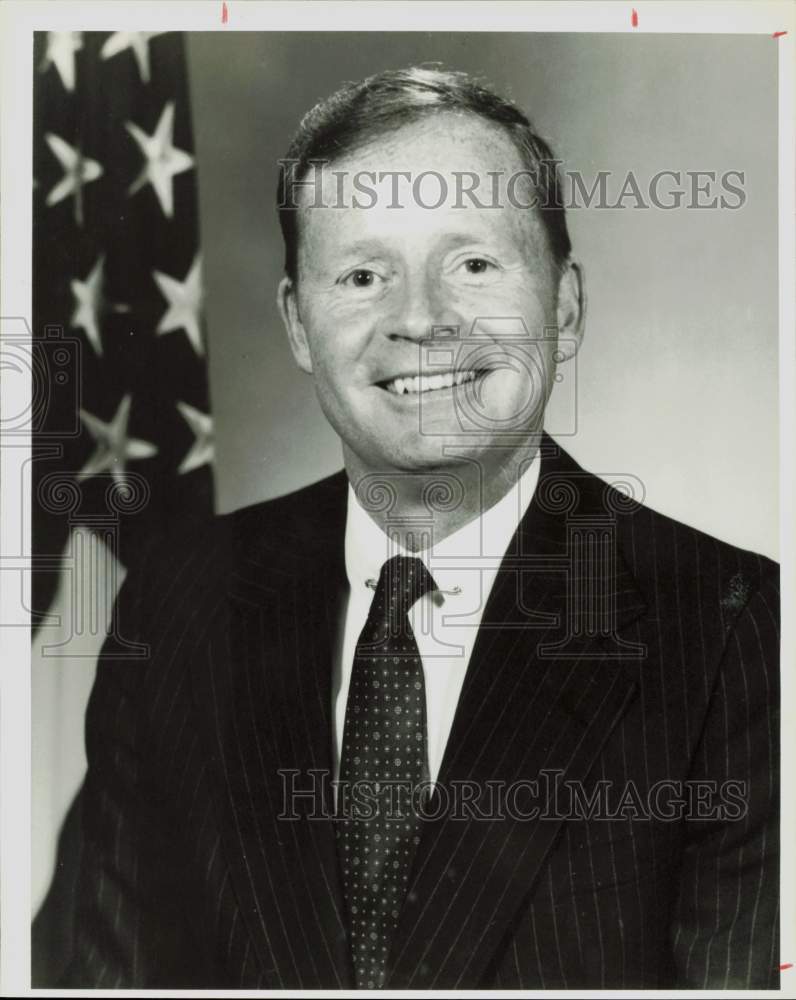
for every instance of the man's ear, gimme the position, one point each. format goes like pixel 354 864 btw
pixel 287 302
pixel 571 313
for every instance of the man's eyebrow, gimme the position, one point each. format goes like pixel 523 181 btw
pixel 368 247
pixel 457 239
pixel 374 247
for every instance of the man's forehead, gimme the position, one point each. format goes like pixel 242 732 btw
pixel 445 172
pixel 445 142
pixel 439 140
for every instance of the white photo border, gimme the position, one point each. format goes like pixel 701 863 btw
pixel 18 21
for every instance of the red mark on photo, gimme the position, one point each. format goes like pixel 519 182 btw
pixel 224 14
pixel 634 18
pixel 787 965
pixel 779 34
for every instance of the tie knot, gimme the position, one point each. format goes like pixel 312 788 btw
pixel 403 580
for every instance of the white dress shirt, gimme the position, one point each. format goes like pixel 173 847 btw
pixel 445 625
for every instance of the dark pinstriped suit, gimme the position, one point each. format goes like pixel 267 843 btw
pixel 188 879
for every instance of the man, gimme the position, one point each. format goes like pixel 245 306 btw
pixel 573 697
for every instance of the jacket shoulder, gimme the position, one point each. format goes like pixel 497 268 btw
pixel 675 562
pixel 297 514
pixel 199 557
pixel 286 519
pixel 682 572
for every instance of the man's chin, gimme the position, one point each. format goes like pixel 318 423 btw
pixel 430 453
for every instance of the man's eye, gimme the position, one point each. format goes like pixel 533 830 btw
pixel 361 278
pixel 477 265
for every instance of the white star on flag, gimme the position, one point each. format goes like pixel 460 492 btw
pixel 163 160
pixel 202 450
pixel 90 302
pixel 114 447
pixel 61 48
pixel 185 303
pixel 138 41
pixel 78 170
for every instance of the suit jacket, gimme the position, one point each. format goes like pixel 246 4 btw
pixel 620 652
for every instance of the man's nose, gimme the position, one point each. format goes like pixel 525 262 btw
pixel 421 312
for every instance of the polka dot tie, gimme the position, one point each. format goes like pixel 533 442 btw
pixel 383 762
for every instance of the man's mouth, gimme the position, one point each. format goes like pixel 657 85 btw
pixel 429 383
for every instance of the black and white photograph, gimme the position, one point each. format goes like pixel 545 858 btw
pixel 398 515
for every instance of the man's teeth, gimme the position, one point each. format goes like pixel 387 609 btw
pixel 424 383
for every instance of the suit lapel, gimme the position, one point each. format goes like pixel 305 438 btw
pixel 265 680
pixel 542 692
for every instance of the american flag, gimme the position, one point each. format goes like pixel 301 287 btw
pixel 122 427
pixel 122 435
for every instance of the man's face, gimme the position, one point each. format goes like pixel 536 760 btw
pixel 465 297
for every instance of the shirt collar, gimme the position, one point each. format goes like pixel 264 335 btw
pixel 487 537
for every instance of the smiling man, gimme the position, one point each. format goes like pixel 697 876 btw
pixel 378 285
pixel 462 715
